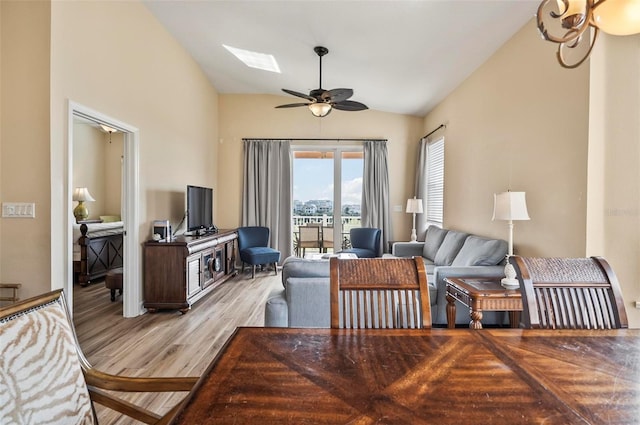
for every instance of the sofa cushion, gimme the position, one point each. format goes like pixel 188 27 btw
pixel 449 248
pixel 302 267
pixel 478 251
pixel 432 241
pixel 428 266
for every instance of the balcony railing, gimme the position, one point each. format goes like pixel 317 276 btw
pixel 348 222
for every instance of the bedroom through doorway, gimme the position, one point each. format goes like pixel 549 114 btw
pixel 103 174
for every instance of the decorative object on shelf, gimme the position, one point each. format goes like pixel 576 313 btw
pixel 510 206
pixel 320 101
pixel 414 206
pixel 566 22
pixel 82 195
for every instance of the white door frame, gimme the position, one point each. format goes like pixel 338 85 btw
pixel 132 291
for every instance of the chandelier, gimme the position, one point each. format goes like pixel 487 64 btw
pixel 566 22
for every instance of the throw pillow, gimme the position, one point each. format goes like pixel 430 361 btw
pixel 450 247
pixel 432 241
pixel 478 251
pixel 110 218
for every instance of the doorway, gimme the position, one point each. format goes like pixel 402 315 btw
pixel 132 290
pixel 318 200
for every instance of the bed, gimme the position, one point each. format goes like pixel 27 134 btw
pixel 97 248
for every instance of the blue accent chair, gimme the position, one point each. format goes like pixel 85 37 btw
pixel 253 247
pixel 365 242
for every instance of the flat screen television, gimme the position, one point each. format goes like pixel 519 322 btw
pixel 200 210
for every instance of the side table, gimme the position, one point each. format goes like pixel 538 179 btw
pixel 481 294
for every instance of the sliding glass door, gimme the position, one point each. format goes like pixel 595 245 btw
pixel 319 201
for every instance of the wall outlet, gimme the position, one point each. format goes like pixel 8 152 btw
pixel 637 304
pixel 18 210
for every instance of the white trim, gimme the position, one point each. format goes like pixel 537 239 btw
pixel 132 293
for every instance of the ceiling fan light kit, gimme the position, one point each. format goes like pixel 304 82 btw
pixel 321 102
pixel 565 22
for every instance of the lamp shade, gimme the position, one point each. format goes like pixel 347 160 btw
pixel 620 17
pixel 320 109
pixel 82 194
pixel 414 206
pixel 510 206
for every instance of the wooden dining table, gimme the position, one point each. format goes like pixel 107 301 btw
pixel 433 376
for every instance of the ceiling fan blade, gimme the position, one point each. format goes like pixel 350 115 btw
pixel 349 105
pixel 302 95
pixel 337 95
pixel 292 105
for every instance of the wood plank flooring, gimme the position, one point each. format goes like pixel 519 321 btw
pixel 166 343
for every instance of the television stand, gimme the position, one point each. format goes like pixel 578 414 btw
pixel 180 272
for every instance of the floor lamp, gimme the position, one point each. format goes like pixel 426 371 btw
pixel 414 206
pixel 510 206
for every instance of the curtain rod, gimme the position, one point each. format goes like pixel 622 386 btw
pixel 317 139
pixel 433 131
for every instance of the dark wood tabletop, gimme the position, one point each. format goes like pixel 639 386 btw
pixel 435 376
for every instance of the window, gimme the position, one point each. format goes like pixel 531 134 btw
pixel 435 182
pixel 327 189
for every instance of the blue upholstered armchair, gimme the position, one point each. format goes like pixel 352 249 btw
pixel 253 246
pixel 365 242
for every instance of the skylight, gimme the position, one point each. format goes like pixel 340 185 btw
pixel 255 60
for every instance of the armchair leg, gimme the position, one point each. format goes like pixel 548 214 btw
pixel 253 272
pixel 275 268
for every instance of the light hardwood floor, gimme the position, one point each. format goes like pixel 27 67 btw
pixel 166 343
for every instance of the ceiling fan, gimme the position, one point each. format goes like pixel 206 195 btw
pixel 320 101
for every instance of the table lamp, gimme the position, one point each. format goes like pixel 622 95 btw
pixel 82 195
pixel 510 206
pixel 414 206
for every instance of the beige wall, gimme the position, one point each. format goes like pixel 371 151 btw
pixel 252 116
pixel 114 151
pixel 97 166
pixel 613 229
pixel 24 143
pixel 115 58
pixel 519 122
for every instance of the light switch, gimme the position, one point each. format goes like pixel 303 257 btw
pixel 18 209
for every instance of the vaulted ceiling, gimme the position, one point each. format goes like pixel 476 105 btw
pixel 398 56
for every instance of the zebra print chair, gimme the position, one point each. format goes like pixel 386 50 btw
pixel 45 378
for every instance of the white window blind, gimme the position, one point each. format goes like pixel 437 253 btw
pixel 435 182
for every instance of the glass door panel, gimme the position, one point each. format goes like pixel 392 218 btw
pixel 351 193
pixel 318 201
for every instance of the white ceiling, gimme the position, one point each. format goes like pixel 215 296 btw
pixel 398 56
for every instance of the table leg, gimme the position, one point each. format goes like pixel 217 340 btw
pixel 514 319
pixel 451 312
pixel 476 319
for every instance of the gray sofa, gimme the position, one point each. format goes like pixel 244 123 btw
pixel 449 253
pixel 303 302
pixel 304 299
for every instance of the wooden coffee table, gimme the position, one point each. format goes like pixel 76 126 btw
pixel 481 294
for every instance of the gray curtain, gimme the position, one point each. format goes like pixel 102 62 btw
pixel 266 191
pixel 375 190
pixel 421 188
